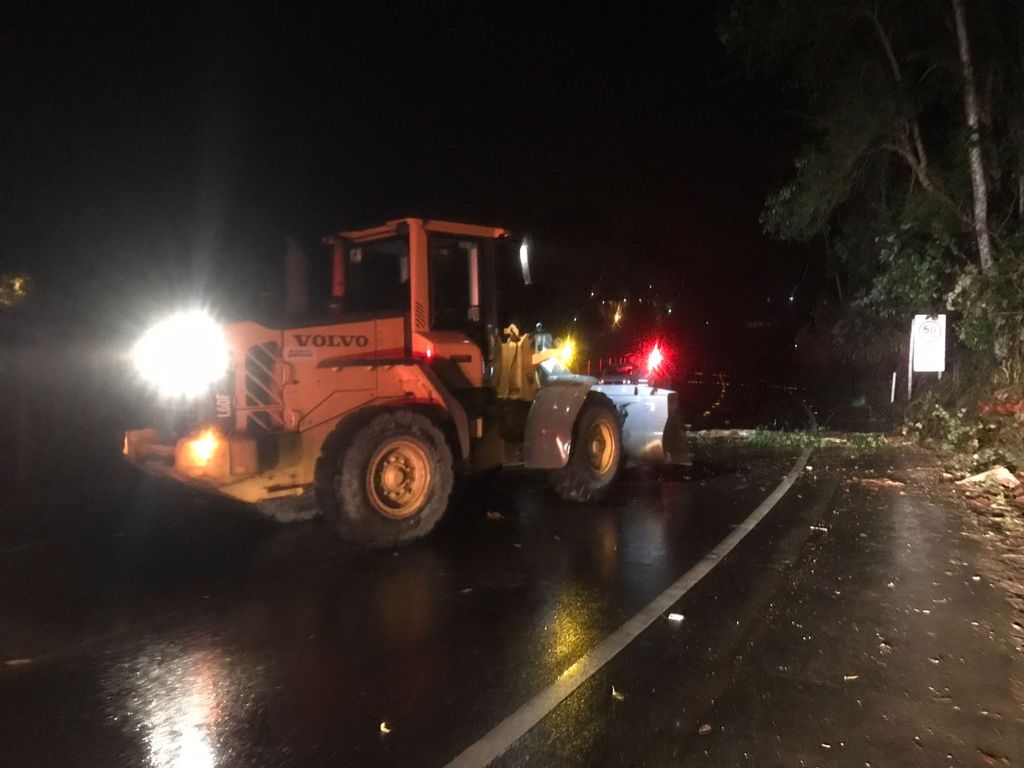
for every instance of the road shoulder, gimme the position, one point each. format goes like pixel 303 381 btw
pixel 859 628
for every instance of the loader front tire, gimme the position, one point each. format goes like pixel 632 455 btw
pixel 386 484
pixel 595 454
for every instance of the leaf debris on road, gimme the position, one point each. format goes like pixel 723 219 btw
pixel 878 482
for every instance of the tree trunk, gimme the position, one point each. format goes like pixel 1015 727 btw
pixel 1020 195
pixel 978 183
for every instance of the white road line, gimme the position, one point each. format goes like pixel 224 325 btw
pixel 509 730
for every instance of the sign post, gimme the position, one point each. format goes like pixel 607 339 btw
pixel 927 347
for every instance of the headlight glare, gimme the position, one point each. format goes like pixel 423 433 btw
pixel 182 355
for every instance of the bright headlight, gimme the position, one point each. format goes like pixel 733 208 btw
pixel 567 351
pixel 182 355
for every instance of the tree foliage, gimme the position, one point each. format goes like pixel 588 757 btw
pixel 882 180
pixel 991 311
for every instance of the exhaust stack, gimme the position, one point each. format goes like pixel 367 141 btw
pixel 337 271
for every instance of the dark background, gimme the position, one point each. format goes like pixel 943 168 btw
pixel 155 157
pixel 159 157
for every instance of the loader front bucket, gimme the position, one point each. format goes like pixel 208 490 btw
pixel 652 428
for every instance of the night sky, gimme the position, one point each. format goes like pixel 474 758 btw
pixel 153 154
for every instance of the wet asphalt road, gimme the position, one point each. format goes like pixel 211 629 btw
pixel 849 627
pixel 143 625
pixel 182 631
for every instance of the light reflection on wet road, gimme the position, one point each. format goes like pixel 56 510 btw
pixel 177 634
pixel 178 701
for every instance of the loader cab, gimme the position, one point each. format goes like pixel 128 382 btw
pixel 441 275
pixel 441 272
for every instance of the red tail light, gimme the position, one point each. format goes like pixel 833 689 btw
pixel 655 358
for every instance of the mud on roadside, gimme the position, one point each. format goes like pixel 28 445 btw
pixel 993 518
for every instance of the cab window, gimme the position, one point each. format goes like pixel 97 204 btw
pixel 454 280
pixel 377 276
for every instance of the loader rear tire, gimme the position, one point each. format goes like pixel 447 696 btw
pixel 388 483
pixel 595 455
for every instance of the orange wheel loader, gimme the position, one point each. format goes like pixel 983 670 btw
pixel 368 414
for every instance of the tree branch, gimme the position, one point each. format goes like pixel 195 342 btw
pixel 914 151
pixel 887 46
pixel 921 174
pixel 922 157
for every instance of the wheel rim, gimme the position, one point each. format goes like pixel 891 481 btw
pixel 398 478
pixel 600 446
